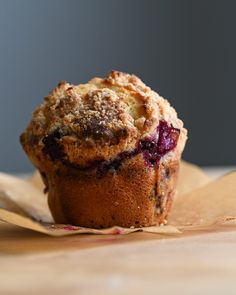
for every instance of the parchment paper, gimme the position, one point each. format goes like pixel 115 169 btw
pixel 199 203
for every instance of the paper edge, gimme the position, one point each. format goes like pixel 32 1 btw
pixel 25 222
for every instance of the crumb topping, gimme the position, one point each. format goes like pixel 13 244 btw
pixel 96 120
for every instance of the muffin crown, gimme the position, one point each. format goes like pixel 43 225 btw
pixel 97 120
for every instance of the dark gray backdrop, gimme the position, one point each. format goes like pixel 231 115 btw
pixel 183 49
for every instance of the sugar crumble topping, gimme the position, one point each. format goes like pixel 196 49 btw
pixel 97 120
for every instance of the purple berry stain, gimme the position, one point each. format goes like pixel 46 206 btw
pixel 163 141
pixel 52 146
pixel 70 227
pixel 152 148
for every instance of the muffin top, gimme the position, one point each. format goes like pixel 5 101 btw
pixel 96 120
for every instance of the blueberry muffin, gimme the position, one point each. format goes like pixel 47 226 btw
pixel 108 152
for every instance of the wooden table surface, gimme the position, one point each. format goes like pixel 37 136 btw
pixel 139 263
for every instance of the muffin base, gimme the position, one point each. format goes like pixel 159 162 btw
pixel 135 195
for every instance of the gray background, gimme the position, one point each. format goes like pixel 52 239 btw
pixel 186 50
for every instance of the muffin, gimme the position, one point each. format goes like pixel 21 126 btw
pixel 108 152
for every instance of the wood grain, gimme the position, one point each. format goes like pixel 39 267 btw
pixel 139 263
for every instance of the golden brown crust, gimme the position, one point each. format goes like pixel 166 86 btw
pixel 134 196
pixel 102 121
